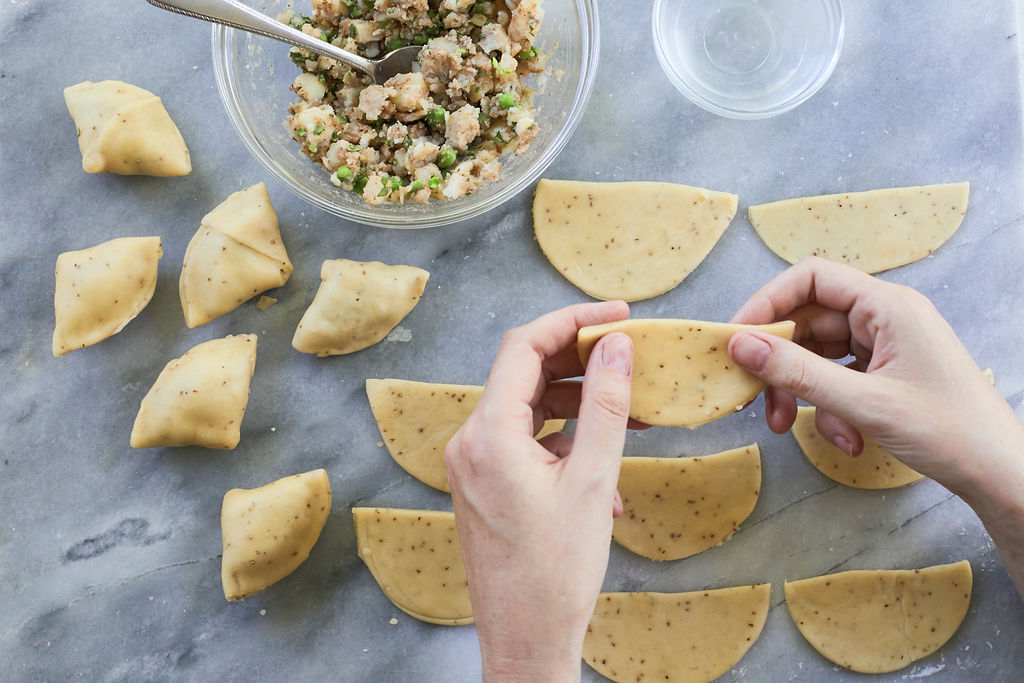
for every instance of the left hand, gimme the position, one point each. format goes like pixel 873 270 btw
pixel 535 517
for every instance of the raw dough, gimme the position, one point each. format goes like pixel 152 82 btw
pixel 236 254
pixel 683 637
pixel 883 620
pixel 677 507
pixel 101 289
pixel 873 231
pixel 126 130
pixel 628 241
pixel 200 398
pixel 418 419
pixel 874 468
pixel 269 531
pixel 416 559
pixel 682 373
pixel 357 305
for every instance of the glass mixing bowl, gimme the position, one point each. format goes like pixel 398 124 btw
pixel 253 75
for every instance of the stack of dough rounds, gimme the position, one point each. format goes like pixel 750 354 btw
pixel 416 558
pixel 357 305
pixel 200 398
pixel 677 507
pixel 874 468
pixel 682 373
pixel 101 289
pixel 126 130
pixel 236 254
pixel 269 531
pixel 689 637
pixel 418 419
pixel 880 621
pixel 873 231
pixel 628 241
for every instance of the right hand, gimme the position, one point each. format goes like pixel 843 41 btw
pixel 912 386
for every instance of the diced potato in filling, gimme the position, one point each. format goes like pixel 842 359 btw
pixel 437 132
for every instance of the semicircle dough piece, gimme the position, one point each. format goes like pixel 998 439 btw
pixel 269 531
pixel 418 419
pixel 631 240
pixel 126 130
pixel 873 231
pixel 357 305
pixel 416 558
pixel 101 289
pixel 236 254
pixel 682 373
pixel 881 620
pixel 200 398
pixel 690 637
pixel 677 507
pixel 874 468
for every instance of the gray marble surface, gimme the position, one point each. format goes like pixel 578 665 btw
pixel 109 557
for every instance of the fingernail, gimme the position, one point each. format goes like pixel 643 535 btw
pixel 843 444
pixel 617 353
pixel 751 352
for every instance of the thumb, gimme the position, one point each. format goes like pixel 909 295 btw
pixel 604 405
pixel 799 372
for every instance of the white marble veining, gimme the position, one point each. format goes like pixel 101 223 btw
pixel 109 557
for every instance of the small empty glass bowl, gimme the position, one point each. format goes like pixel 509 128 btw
pixel 253 75
pixel 748 59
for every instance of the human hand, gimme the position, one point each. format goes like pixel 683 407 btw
pixel 535 517
pixel 917 392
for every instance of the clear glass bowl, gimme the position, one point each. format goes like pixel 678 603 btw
pixel 253 75
pixel 748 59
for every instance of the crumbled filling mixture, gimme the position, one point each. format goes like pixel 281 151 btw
pixel 437 132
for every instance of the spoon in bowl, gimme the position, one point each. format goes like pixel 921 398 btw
pixel 236 15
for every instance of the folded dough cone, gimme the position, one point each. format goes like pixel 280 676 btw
pixel 236 254
pixel 269 531
pixel 418 419
pixel 677 507
pixel 874 468
pixel 200 398
pixel 356 305
pixel 631 240
pixel 881 620
pixel 101 289
pixel 873 231
pixel 690 637
pixel 682 373
pixel 416 558
pixel 126 130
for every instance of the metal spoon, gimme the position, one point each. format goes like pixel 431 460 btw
pixel 236 15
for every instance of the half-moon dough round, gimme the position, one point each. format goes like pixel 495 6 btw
pixel 677 507
pixel 416 558
pixel 873 231
pixel 631 240
pixel 200 398
pixel 236 254
pixel 690 637
pixel 269 531
pixel 682 373
pixel 418 419
pixel 881 620
pixel 357 305
pixel 101 289
pixel 126 130
pixel 874 468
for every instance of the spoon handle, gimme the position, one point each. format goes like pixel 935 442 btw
pixel 236 15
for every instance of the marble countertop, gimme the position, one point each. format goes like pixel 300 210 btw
pixel 110 557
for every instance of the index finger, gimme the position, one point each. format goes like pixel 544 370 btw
pixel 518 375
pixel 812 280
